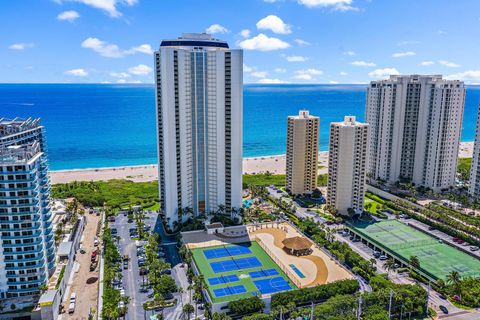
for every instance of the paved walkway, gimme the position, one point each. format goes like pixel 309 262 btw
pixel 85 283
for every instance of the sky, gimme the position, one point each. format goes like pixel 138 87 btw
pixel 284 41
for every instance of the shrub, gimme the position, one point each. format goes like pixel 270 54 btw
pixel 246 306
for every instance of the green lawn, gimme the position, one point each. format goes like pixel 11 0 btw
pixel 437 259
pixel 375 205
pixel 203 265
pixel 463 167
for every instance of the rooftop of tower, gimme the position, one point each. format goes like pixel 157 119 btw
pixel 195 40
pixel 10 127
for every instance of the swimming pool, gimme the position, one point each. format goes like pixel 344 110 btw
pixel 298 272
pixel 247 203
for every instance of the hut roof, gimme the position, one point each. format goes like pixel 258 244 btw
pixel 297 243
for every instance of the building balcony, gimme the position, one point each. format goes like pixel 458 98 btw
pixel 15 245
pixel 33 235
pixel 41 264
pixel 37 258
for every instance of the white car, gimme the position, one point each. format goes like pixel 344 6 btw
pixel 71 306
pixel 383 257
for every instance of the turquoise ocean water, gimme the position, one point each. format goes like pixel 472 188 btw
pixel 99 125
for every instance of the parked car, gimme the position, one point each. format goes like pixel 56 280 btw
pixel 125 265
pixel 377 254
pixel 71 306
pixel 114 231
pixel 166 271
pixel 474 248
pixel 444 309
pixel 383 257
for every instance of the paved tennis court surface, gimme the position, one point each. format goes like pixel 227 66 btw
pixel 263 273
pixel 272 285
pixel 437 259
pixel 237 271
pixel 226 252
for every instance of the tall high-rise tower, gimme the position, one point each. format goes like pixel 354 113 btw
pixel 347 162
pixel 302 153
pixel 474 188
pixel 27 254
pixel 199 90
pixel 415 131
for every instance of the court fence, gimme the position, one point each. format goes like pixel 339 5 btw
pixel 282 266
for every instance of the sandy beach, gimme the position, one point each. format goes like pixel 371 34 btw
pixel 272 164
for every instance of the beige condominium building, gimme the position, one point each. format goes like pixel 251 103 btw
pixel 347 164
pixel 302 153
pixel 415 126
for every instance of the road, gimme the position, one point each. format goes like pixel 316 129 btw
pixel 85 283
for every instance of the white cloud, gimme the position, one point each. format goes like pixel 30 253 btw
pixel 20 46
pixel 259 74
pixel 111 50
pixel 245 33
pixel 448 64
pixel 403 54
pixel 69 16
pixel 120 75
pixel 216 28
pixel 308 74
pixel 383 73
pixel 140 70
pixel 272 1
pixel 128 81
pixel 76 73
pixel 302 43
pixel 280 70
pixel 333 82
pixel 262 42
pixel 407 42
pixel 274 24
pixel 339 5
pixel 468 76
pixel 271 81
pixel 441 32
pixel 248 69
pixel 360 63
pixel 427 63
pixel 343 73
pixel 349 53
pixel 297 58
pixel 108 6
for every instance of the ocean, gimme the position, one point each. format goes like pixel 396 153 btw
pixel 107 125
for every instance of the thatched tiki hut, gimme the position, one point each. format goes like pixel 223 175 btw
pixel 297 246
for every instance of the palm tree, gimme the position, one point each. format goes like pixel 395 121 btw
pixel 454 279
pixel 389 264
pixel 373 262
pixel 188 309
pixel 414 262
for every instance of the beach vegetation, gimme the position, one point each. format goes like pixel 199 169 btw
pixel 463 168
pixel 115 194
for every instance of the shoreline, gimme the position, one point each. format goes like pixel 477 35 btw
pixel 274 164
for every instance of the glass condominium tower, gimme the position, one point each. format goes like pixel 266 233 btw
pixel 199 99
pixel 27 255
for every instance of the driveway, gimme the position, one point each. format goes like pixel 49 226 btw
pixel 85 283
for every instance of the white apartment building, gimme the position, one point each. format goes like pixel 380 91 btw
pixel 302 153
pixel 415 125
pixel 199 99
pixel 474 188
pixel 347 162
pixel 27 250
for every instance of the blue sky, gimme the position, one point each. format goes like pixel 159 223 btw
pixel 284 41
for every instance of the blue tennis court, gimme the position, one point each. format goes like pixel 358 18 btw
pixel 235 264
pixel 228 291
pixel 223 279
pixel 225 252
pixel 272 285
pixel 263 273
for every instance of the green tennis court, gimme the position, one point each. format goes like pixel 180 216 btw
pixel 436 259
pixel 225 286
